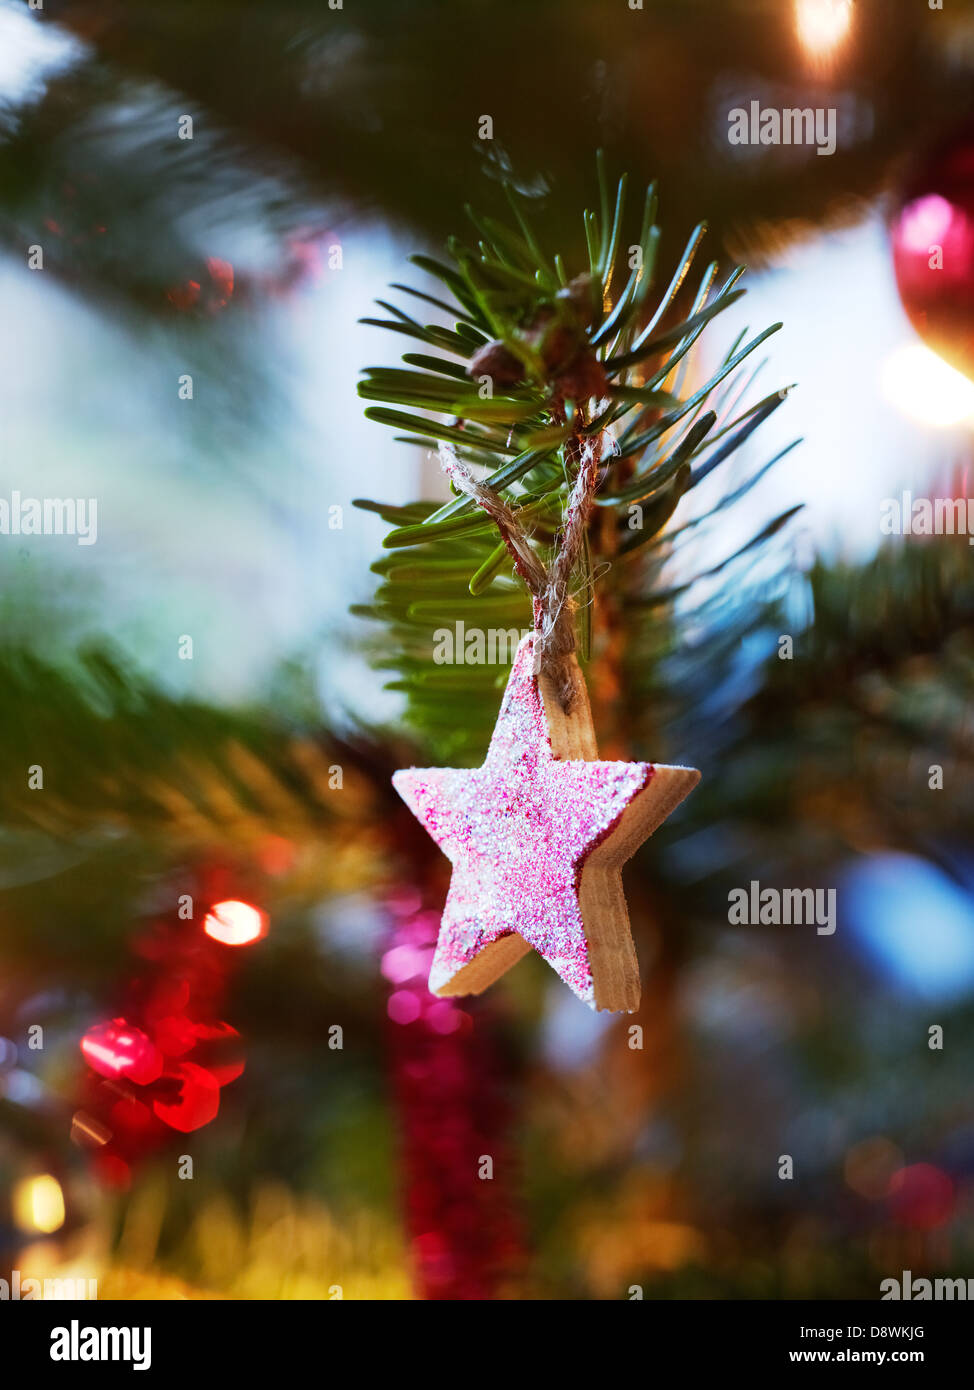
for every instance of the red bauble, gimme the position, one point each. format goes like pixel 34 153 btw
pixel 932 233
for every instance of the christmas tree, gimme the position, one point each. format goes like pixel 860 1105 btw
pixel 219 917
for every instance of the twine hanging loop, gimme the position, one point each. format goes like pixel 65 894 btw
pixel 554 606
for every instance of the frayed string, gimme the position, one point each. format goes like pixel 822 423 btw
pixel 554 606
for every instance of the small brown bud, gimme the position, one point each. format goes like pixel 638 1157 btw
pixel 498 362
pixel 582 295
pixel 584 378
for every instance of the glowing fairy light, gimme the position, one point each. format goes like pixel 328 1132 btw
pixel 923 387
pixel 822 24
pixel 38 1204
pixel 235 923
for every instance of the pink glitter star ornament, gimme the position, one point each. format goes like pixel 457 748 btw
pixel 537 838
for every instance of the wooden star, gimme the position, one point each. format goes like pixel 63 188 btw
pixel 537 837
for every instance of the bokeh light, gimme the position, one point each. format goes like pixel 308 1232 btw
pixel 870 1165
pixel 925 388
pixel 195 1098
pixel 38 1204
pixel 117 1050
pixel 886 896
pixel 921 1196
pixel 235 923
pixel 822 24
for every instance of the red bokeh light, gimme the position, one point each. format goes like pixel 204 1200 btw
pixel 184 296
pixel 118 1050
pixel 166 1058
pixel 175 1035
pixel 131 1117
pixel 221 273
pixel 195 1100
pixel 921 1196
pixel 220 1050
pixel 275 854
pixel 113 1171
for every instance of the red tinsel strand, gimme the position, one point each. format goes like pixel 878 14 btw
pixel 454 1119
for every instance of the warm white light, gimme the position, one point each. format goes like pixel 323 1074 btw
pixel 925 388
pixel 235 923
pixel 822 24
pixel 38 1204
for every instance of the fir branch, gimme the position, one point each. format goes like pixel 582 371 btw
pixel 553 365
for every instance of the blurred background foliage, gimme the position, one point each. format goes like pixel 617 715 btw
pixel 658 1167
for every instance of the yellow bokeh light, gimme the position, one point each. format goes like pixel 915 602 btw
pixel 925 388
pixel 38 1204
pixel 822 24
